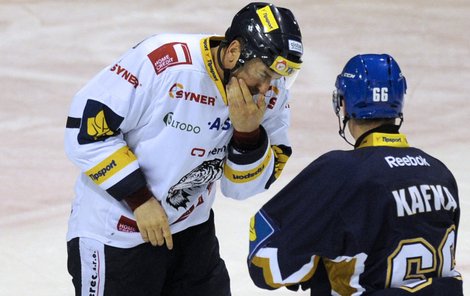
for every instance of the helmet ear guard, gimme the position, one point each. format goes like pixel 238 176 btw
pixel 269 33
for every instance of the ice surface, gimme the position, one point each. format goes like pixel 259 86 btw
pixel 49 49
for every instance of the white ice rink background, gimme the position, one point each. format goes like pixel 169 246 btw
pixel 49 49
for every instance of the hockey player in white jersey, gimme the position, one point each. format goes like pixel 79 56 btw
pixel 154 131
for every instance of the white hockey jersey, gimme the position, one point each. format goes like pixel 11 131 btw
pixel 158 117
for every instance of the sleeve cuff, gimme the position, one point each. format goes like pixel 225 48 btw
pixel 246 141
pixel 138 198
pixel 242 157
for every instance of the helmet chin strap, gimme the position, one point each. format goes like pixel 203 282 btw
pixel 401 120
pixel 345 121
pixel 342 128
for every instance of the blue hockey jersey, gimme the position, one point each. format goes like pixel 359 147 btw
pixel 378 220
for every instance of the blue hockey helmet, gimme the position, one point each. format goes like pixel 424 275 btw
pixel 370 86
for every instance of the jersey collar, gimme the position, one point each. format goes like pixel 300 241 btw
pixel 386 135
pixel 210 64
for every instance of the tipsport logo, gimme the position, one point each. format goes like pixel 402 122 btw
pixel 268 19
pixel 186 127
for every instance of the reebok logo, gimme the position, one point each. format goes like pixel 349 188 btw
pixel 406 161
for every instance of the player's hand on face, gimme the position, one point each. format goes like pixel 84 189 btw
pixel 153 223
pixel 245 114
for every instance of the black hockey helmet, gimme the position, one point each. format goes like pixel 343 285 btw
pixel 270 33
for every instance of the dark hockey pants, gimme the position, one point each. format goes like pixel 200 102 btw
pixel 193 267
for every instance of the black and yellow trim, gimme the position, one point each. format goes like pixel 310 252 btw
pixel 210 65
pixel 73 122
pixel 419 287
pixel 265 265
pixel 340 275
pixel 384 139
pixel 281 156
pixel 237 176
pixel 111 165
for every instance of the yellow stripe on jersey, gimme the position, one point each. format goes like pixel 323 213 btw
pixel 265 265
pixel 280 160
pixel 422 285
pixel 384 139
pixel 249 175
pixel 340 275
pixel 253 235
pixel 210 65
pixel 111 165
pixel 450 231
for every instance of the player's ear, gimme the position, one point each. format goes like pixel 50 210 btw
pixel 232 53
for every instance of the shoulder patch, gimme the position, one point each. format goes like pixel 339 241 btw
pixel 170 54
pixel 99 122
pixel 261 229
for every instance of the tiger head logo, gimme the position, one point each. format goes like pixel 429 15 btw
pixel 195 182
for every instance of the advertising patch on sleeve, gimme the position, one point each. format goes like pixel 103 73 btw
pixel 99 122
pixel 168 55
pixel 261 229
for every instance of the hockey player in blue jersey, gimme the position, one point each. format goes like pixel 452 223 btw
pixel 381 219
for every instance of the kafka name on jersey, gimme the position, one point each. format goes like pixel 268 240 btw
pixel 423 199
